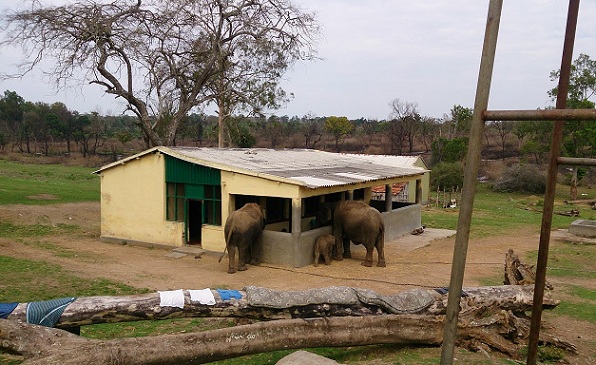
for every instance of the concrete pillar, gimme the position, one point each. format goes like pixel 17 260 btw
pixel 418 191
pixel 296 228
pixel 367 194
pixel 350 194
pixel 388 197
pixel 231 204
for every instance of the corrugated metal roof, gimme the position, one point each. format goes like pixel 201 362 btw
pixel 310 168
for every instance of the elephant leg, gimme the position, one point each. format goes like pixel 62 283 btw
pixel 327 258
pixel 381 253
pixel 231 259
pixel 255 250
pixel 242 257
pixel 347 253
pixel 339 249
pixel 368 260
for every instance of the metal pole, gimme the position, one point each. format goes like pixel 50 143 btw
pixel 551 183
pixel 540 114
pixel 470 180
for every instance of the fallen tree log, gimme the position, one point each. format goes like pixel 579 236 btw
pixel 519 273
pixel 487 319
pixel 110 309
pixel 48 346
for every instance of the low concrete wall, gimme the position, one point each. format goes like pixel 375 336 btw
pixel 583 228
pixel 401 221
pixel 304 254
pixel 279 249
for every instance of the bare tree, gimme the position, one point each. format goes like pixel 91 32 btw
pixel 428 131
pixel 370 128
pixel 162 58
pixel 403 125
pixel 503 129
pixel 312 128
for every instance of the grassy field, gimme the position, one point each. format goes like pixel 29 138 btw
pixel 46 184
pixel 495 214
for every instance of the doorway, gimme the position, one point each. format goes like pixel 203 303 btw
pixel 194 221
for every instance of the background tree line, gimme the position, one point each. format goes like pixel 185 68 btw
pixel 38 127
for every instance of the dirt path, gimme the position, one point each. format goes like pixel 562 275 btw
pixel 407 266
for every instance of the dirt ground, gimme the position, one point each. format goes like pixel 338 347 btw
pixel 412 261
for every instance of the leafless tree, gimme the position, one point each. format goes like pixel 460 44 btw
pixel 503 129
pixel 428 131
pixel 163 58
pixel 312 128
pixel 403 124
pixel 370 128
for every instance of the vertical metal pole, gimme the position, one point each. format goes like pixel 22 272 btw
pixel 470 180
pixel 551 183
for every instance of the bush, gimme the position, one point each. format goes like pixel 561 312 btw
pixel 449 150
pixel 521 178
pixel 447 175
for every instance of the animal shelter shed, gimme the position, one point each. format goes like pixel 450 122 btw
pixel 177 196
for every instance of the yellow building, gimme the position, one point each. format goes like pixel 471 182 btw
pixel 175 196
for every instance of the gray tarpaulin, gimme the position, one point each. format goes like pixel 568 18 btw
pixel 411 301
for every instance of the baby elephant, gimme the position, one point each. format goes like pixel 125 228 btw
pixel 324 246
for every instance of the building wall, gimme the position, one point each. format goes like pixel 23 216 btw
pixel 133 203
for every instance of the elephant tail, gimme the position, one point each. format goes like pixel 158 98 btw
pixel 223 254
pixel 228 238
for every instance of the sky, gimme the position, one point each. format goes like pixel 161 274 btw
pixel 372 52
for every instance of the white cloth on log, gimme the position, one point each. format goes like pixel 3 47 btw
pixel 171 298
pixel 203 296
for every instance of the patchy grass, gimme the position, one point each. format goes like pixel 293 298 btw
pixel 499 213
pixel 576 262
pixel 26 280
pixel 570 260
pixel 10 230
pixel 154 328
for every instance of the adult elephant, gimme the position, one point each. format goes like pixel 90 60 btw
pixel 243 231
pixel 356 221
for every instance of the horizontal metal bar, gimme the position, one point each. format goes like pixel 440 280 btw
pixel 539 115
pixel 574 161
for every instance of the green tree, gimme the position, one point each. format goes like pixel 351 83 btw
pixel 447 176
pixel 11 116
pixel 240 131
pixel 339 128
pixel 448 150
pixel 459 121
pixel 579 136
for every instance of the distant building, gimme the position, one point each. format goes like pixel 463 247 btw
pixel 175 196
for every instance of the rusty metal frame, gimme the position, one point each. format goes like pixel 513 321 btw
pixel 480 116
